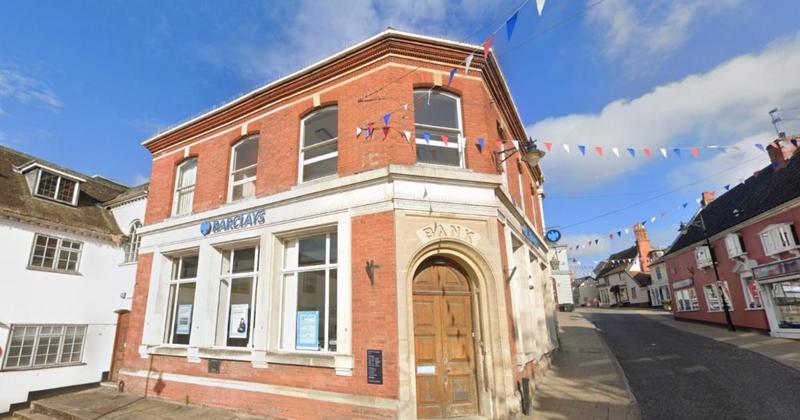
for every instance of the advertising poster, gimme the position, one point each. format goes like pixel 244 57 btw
pixel 307 330
pixel 238 322
pixel 184 319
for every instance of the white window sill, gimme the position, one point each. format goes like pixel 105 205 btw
pixel 26 368
pixel 689 310
pixel 754 309
pixel 247 354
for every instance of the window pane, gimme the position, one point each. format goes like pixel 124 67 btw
pixel 185 201
pixel 186 173
pixel 332 311
pixel 438 155
pixel 786 296
pixel 188 267
pixel 311 301
pixel 183 313
pixel 245 153
pixel 334 241
pixel 244 190
pixel 47 184
pixel 66 190
pixel 244 260
pixel 441 110
pixel 311 251
pixel 320 150
pixel 244 174
pixel 321 126
pixel 319 169
pixel 239 312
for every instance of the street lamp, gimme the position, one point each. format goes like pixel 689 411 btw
pixel 702 225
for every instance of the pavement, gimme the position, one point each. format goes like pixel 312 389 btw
pixel 680 370
pixel 584 380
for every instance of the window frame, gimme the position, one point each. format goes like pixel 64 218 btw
pixel 778 238
pixel 57 255
pixel 287 271
pixel 233 172
pixel 176 280
pixel 302 161
pixel 36 342
pixel 133 243
pixel 75 192
pixel 718 291
pixel 230 276
pixel 180 189
pixel 704 262
pixel 749 299
pixel 734 245
pixel 458 144
pixel 691 297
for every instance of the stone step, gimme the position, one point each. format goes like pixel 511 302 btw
pixel 52 411
pixel 28 414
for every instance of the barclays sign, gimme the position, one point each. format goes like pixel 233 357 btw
pixel 239 221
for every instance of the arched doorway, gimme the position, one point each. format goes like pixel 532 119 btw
pixel 444 340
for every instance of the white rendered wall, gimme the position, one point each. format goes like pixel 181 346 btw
pixel 40 297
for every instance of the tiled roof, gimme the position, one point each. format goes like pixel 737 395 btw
pixel 88 217
pixel 642 279
pixel 134 193
pixel 758 194
pixel 611 268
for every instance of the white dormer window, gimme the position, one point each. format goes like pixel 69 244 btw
pixel 703 256
pixel 734 245
pixel 778 238
pixel 56 187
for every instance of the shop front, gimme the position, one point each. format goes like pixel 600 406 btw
pixel 780 284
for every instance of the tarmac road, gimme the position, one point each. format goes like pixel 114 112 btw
pixel 679 375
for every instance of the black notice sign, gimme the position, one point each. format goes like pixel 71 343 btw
pixel 375 367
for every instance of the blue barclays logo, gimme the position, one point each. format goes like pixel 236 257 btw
pixel 239 221
pixel 553 236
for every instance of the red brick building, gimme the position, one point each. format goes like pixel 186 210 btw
pixel 302 257
pixel 753 230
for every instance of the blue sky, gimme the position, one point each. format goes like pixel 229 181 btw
pixel 84 85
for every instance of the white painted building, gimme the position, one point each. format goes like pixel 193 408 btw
pixel 659 289
pixel 562 277
pixel 68 271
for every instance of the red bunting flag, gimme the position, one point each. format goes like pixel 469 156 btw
pixel 648 152
pixel 487 45
pixel 499 144
pixel 695 151
pixel 599 150
pixel 548 146
pixel 385 132
pixel 444 138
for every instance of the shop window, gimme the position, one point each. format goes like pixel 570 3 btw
pixel 633 293
pixel 183 283
pixel 57 187
pixel 44 345
pixel 786 297
pixel 686 300
pixel 751 292
pixel 702 255
pixel 133 242
pixel 714 293
pixel 55 254
pixel 184 187
pixel 309 293
pixel 244 156
pixel 734 245
pixel 437 127
pixel 237 293
pixel 778 238
pixel 319 148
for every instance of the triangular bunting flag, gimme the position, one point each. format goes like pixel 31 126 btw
pixel 760 147
pixel 663 152
pixel 794 142
pixel 644 222
pixel 480 144
pixel 616 151
pixel 540 6
pixel 468 62
pixel 596 241
pixel 653 219
pixel 647 152
pixel 663 214
pixel 548 146
pixel 677 151
pixel 487 45
pixel 510 23
pixel 599 150
pixel 385 132
pixel 632 151
pixel 695 151
pixel 427 137
pixel 452 75
pixel 685 204
pixel 582 148
pixel 386 118
pixel 626 231
pixel 727 187
pixel 619 234
pixel 358 131
pixel 445 138
pixel 407 135
pixel 775 165
pixel 566 147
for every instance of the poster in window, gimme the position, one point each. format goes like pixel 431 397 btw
pixel 306 334
pixel 184 319
pixel 239 321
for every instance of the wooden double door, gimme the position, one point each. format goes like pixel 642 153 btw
pixel 444 342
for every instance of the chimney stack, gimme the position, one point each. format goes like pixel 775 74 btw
pixel 780 151
pixel 642 247
pixel 706 198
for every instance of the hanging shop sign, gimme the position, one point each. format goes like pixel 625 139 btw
pixel 553 236
pixel 532 238
pixel 680 284
pixel 235 222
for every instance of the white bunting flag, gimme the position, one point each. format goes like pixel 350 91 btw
pixel 653 219
pixel 616 151
pixel 407 135
pixel 468 62
pixel 358 131
pixel 626 231
pixel 663 152
pixel 462 140
pixel 566 147
pixel 540 6
pixel 405 106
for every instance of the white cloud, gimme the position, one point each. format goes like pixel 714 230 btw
pixel 25 89
pixel 637 32
pixel 725 106
pixel 313 30
pixel 140 179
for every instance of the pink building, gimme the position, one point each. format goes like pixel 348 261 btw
pixel 753 232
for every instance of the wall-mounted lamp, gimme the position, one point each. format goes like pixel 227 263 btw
pixel 530 153
pixel 511 275
pixel 371 266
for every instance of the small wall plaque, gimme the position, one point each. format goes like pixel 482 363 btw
pixel 213 365
pixel 375 367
